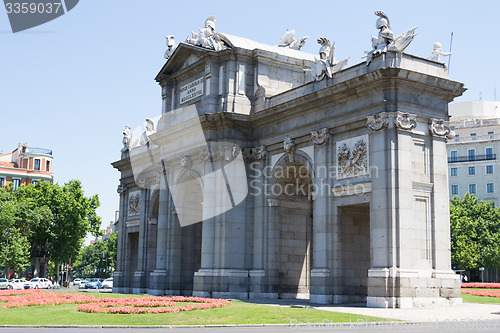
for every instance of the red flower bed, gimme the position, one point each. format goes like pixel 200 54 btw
pixel 481 285
pixel 489 293
pixel 89 303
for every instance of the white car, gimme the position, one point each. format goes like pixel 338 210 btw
pixel 4 283
pixel 82 284
pixel 40 283
pixel 18 284
pixel 108 283
pixel 77 282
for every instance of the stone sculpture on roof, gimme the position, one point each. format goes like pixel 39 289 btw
pixel 207 37
pixel 150 129
pixel 326 64
pixel 288 40
pixel 437 53
pixel 386 40
pixel 127 138
pixel 170 46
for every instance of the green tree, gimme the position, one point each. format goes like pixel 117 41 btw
pixel 99 259
pixel 74 216
pixel 14 244
pixel 56 218
pixel 475 233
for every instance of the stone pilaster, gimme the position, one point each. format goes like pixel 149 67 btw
pixel 320 274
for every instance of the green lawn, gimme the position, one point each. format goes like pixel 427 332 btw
pixel 468 298
pixel 238 313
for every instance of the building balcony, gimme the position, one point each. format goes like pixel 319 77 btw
pixel 475 158
pixel 475 139
pixel 36 150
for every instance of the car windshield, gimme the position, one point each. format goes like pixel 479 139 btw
pixel 93 280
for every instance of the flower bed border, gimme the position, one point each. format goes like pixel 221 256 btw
pixel 91 304
pixel 481 285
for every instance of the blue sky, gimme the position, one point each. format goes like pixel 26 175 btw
pixel 72 84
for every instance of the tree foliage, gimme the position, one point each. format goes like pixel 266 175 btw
pixel 99 259
pixel 46 216
pixel 475 233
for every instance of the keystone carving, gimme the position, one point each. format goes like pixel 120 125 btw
pixel 289 147
pixel 186 162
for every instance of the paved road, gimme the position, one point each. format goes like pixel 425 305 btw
pixel 484 326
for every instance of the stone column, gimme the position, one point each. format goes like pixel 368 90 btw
pixel 118 275
pixel 256 191
pixel 140 274
pixel 320 274
pixel 203 278
pixel 159 276
pixel 447 281
pixel 384 210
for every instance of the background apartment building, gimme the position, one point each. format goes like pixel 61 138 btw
pixel 472 155
pixel 26 165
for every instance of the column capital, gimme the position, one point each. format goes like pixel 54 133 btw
pixel 320 137
pixel 438 128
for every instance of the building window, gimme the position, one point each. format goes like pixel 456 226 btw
pixel 473 134
pixel 37 164
pixel 489 169
pixel 16 183
pixel 34 182
pixel 2 181
pixel 454 189
pixel 471 153
pixel 454 156
pixel 454 172
pixel 491 133
pixel 47 166
pixel 457 135
pixel 490 188
pixel 472 171
pixel 472 188
pixel 489 153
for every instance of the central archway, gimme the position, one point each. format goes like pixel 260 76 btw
pixel 294 230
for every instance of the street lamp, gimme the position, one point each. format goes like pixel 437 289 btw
pixel 482 273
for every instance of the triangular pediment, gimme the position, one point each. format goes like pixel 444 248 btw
pixel 184 55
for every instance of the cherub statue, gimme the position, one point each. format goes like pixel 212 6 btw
pixel 127 138
pixel 386 40
pixel 288 40
pixel 207 37
pixel 170 46
pixel 326 64
pixel 435 55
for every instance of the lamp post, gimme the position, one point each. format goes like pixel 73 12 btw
pixel 482 273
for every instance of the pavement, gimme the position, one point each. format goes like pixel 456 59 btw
pixel 460 312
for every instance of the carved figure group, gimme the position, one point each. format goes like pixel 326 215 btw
pixel 289 40
pixel 385 41
pixel 207 37
pixel 326 64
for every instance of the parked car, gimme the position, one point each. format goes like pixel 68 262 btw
pixel 108 283
pixel 4 283
pixel 77 281
pixel 93 283
pixel 82 284
pixel 40 283
pixel 18 284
